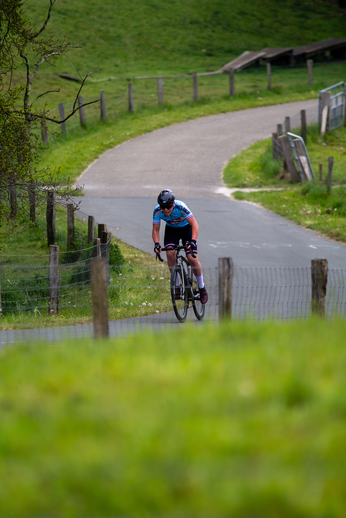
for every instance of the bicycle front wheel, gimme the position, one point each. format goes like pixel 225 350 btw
pixel 179 292
pixel 198 307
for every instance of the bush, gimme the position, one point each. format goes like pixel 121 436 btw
pixel 315 191
pixel 271 168
pixel 116 258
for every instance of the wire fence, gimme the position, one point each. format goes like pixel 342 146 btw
pixel 139 297
pixel 177 90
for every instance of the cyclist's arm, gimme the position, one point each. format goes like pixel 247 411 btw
pixel 156 232
pixel 195 228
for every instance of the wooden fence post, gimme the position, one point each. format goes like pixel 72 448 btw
pixel 330 173
pixel 101 227
pixel 54 280
pixel 99 297
pixel 105 237
pixel 103 106
pixel 130 93
pixel 275 145
pixel 160 90
pixel 81 111
pixel 321 172
pixel 50 217
pixel 325 112
pixel 32 201
pixel 0 299
pixel 195 86
pixel 303 124
pixel 105 246
pixel 309 64
pixel 279 149
pixel 286 149
pixel 287 124
pixel 269 74
pixel 319 279
pixel 70 226
pixel 97 247
pixel 226 273
pixel 91 226
pixel 62 117
pixel 231 82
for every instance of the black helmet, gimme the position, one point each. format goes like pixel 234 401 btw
pixel 165 198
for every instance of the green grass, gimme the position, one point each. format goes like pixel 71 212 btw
pixel 152 37
pixel 138 285
pixel 72 152
pixel 309 204
pixel 243 420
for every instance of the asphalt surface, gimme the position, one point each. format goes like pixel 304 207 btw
pixel 187 157
pixel 121 188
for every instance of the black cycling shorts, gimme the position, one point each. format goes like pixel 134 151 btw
pixel 174 234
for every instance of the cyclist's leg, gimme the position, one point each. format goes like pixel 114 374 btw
pixel 196 265
pixel 171 238
pixel 186 235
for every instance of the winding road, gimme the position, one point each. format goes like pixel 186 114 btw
pixel 122 185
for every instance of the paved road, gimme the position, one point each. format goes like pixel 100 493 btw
pixel 122 185
pixel 187 157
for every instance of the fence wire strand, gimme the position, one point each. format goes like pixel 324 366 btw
pixel 257 294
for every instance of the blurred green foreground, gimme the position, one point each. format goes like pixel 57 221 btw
pixel 239 420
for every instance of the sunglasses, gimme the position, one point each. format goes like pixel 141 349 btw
pixel 163 207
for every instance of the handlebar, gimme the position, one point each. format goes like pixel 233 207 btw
pixel 173 247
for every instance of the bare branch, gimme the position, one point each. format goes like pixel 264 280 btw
pixel 74 110
pixel 40 63
pixel 51 5
pixel 45 93
pixel 81 86
pixel 28 82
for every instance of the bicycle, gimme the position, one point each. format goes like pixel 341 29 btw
pixel 184 286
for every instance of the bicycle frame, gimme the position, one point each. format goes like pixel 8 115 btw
pixel 186 285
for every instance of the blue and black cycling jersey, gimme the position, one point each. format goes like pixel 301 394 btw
pixel 178 218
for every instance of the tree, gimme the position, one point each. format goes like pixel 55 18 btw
pixel 22 44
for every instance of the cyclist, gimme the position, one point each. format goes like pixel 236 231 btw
pixel 180 224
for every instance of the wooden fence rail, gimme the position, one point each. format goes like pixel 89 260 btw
pixel 160 95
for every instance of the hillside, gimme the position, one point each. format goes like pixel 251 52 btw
pixel 145 37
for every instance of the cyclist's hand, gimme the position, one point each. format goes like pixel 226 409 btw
pixel 192 246
pixel 157 248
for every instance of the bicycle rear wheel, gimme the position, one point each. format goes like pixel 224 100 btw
pixel 198 307
pixel 178 285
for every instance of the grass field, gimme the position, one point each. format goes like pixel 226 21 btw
pixel 153 37
pixel 242 420
pixel 309 204
pixel 138 286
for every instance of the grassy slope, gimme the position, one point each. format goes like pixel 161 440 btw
pixel 244 420
pixel 310 204
pixel 145 37
pixel 150 37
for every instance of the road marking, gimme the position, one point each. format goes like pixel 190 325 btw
pixel 324 246
pixel 243 244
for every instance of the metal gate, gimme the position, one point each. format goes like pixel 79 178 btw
pixel 337 100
